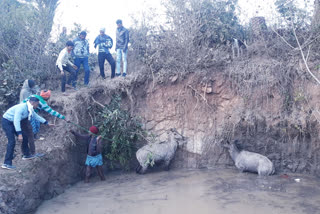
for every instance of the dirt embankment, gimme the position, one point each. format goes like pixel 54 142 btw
pixel 205 106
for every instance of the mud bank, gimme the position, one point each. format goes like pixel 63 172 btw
pixel 189 191
pixel 203 106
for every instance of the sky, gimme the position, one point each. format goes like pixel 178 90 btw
pixel 95 14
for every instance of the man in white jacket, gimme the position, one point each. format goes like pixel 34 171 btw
pixel 64 64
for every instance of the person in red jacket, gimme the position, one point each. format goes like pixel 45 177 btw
pixel 94 150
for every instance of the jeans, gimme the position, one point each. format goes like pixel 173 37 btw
pixel 10 132
pixel 71 79
pixel 28 129
pixel 102 56
pixel 121 53
pixel 84 61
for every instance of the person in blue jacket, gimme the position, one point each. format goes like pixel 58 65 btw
pixel 12 120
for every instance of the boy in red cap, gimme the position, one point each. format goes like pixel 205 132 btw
pixel 94 150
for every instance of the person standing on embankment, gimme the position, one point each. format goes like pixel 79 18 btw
pixel 64 64
pixel 81 54
pixel 104 43
pixel 12 120
pixel 122 40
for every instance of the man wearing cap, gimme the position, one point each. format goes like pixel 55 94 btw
pixel 122 38
pixel 104 43
pixel 81 54
pixel 94 152
pixel 64 64
pixel 29 87
pixel 35 124
pixel 12 120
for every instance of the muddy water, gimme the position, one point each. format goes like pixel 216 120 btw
pixel 188 192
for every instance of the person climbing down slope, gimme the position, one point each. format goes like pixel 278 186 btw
pixel 94 150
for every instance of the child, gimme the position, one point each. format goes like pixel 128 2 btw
pixel 94 150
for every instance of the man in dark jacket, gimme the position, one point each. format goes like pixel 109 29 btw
pixel 122 37
pixel 81 54
pixel 104 43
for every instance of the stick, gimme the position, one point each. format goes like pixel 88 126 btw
pixel 282 38
pixel 97 102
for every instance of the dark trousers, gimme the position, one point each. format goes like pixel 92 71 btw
pixel 10 132
pixel 71 78
pixel 85 62
pixel 102 56
pixel 27 128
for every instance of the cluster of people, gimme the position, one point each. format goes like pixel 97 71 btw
pixel 22 120
pixel 79 50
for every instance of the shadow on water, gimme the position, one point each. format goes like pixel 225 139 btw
pixel 190 191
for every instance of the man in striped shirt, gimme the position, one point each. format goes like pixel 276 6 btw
pixel 33 127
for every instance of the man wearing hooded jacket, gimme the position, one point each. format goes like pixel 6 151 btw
pixel 104 43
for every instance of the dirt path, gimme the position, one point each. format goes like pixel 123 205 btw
pixel 189 191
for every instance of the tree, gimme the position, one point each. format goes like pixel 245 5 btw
pixel 25 28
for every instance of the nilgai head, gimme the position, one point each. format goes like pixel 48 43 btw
pixel 228 145
pixel 178 137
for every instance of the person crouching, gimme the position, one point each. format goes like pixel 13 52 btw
pixel 94 150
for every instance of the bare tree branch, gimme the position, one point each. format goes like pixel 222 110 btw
pixel 303 57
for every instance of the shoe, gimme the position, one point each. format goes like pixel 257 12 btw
pixel 68 86
pixel 36 137
pixel 7 166
pixel 124 74
pixel 38 155
pixel 28 157
pixel 117 75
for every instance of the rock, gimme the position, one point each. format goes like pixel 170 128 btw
pixel 207 89
pixel 174 78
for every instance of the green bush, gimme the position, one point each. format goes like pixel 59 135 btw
pixel 121 130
